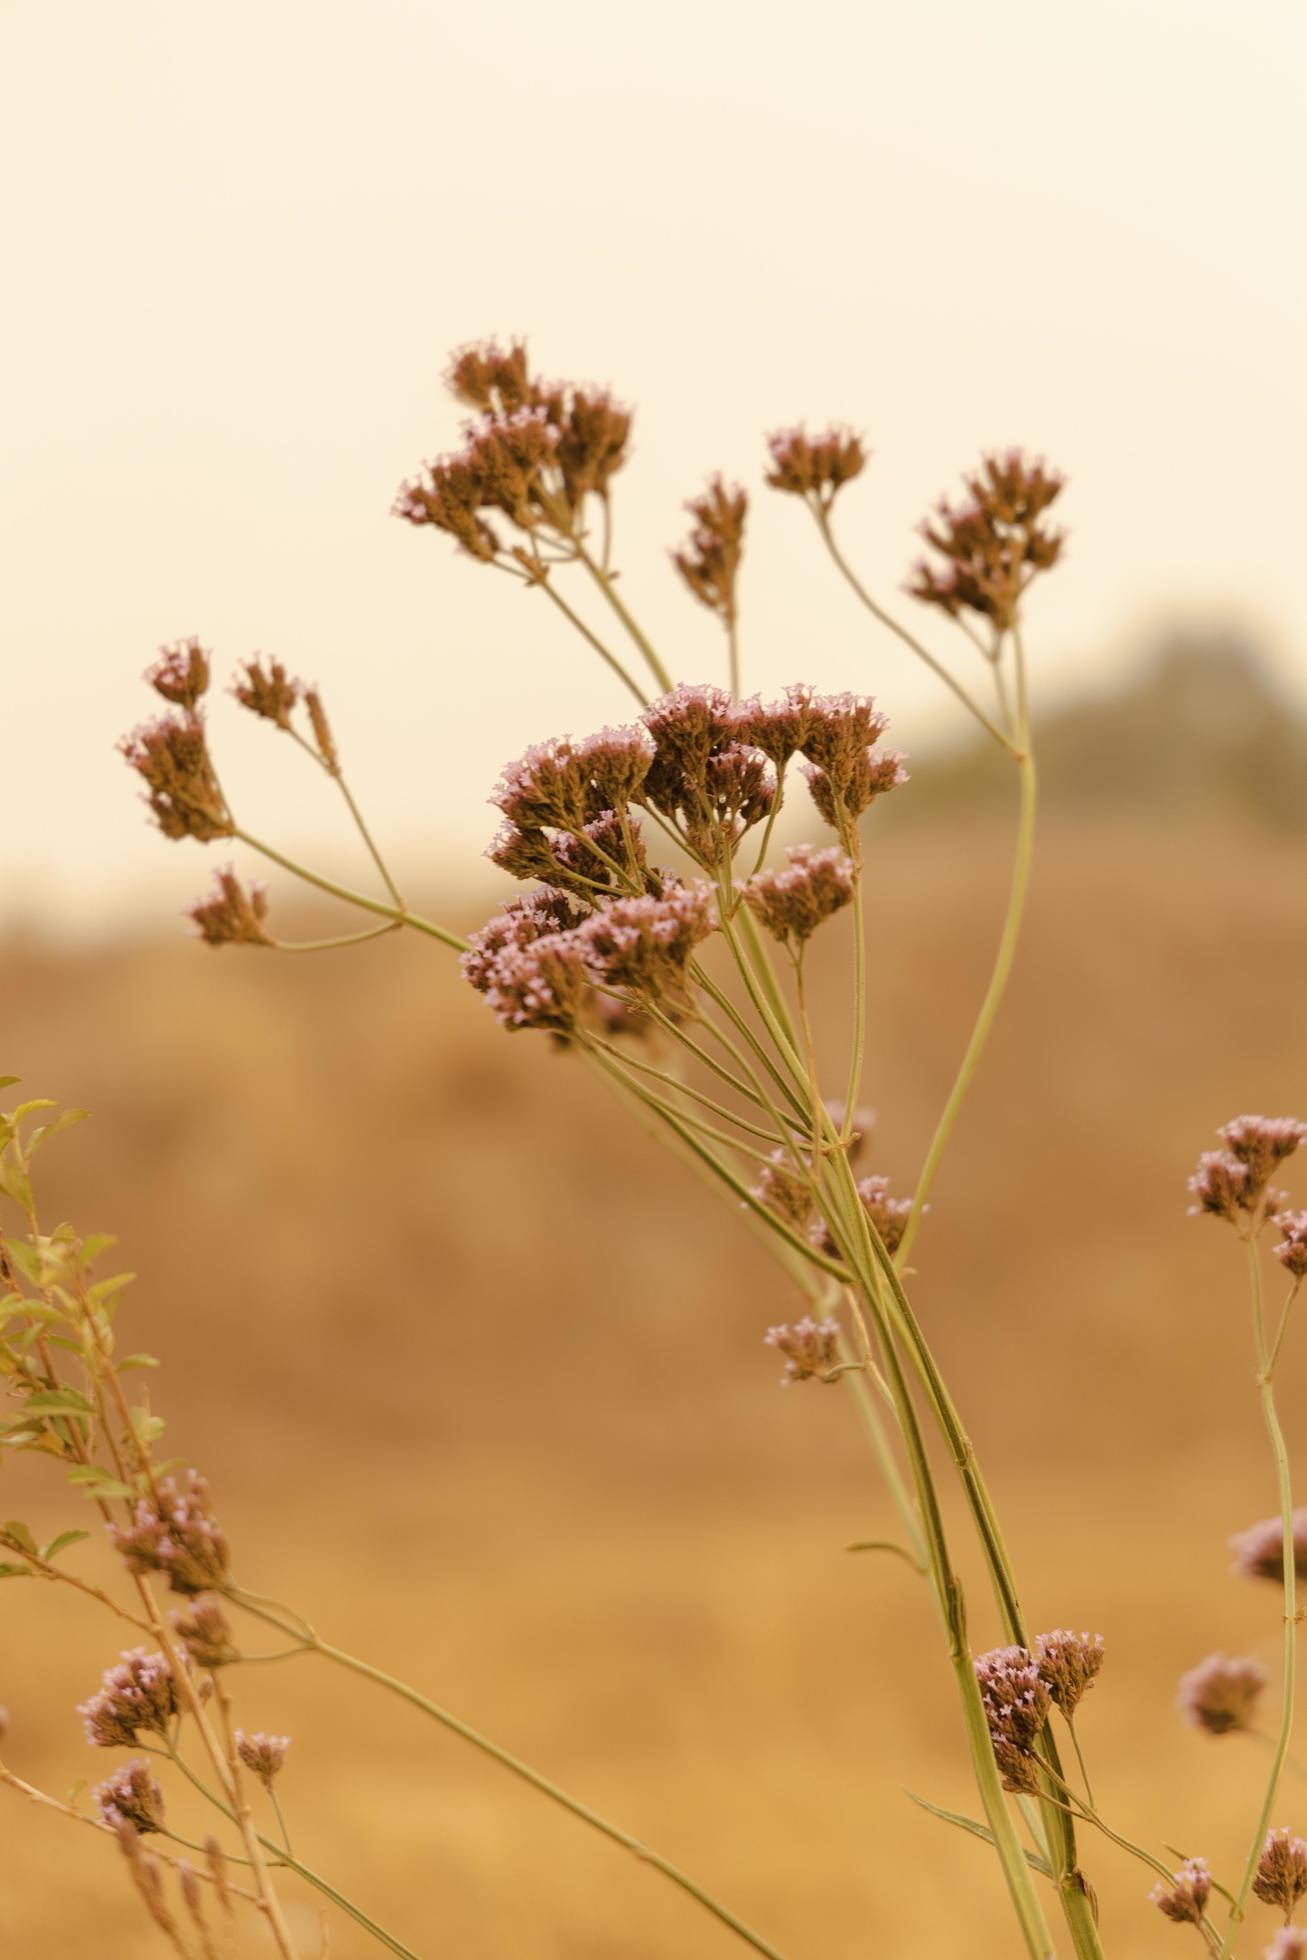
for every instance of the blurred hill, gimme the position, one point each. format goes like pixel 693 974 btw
pixel 477 1375
pixel 1199 729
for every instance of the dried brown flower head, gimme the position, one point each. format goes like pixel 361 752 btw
pixel 267 690
pixel 487 376
pixel 132 1796
pixel 205 1634
pixel 1185 1899
pixel 1281 1876
pixel 176 1536
pixel 181 673
pixel 263 1755
pixel 232 914
pixel 784 1190
pixel 810 1348
pixel 710 562
pixel 137 1695
pixel 1069 1664
pixel 171 756
pixel 815 467
pixel 994 544
pixel 1220 1695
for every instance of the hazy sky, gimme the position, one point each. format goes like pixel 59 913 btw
pixel 240 241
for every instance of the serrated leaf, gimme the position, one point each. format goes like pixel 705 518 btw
pixel 62 1542
pixel 58 1401
pixel 18 1534
pixel 976 1829
pixel 139 1361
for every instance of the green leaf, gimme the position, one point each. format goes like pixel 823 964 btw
pixel 976 1829
pixel 107 1290
pixel 8 1081
pixel 100 1486
pixel 25 1257
pixel 58 1401
pixel 147 1427
pixel 37 1102
pixel 8 1571
pixel 18 1534
pixel 16 1185
pixel 95 1243
pixel 880 1545
pixel 62 1542
pixel 63 1121
pixel 138 1361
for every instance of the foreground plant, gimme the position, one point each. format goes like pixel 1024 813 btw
pixel 660 942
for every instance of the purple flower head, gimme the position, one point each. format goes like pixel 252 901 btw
pixel 1281 1876
pixel 993 543
pixel 1259 1549
pixel 643 944
pixel 268 691
pixel 871 775
pixel 1292 1249
pixel 710 562
pixel 130 1796
pixel 1068 1665
pixel 137 1695
pixel 783 1190
pixel 263 1755
pixel 781 728
pixel 1016 1703
pixel 1221 1694
pixel 688 725
pixel 1289 1944
pixel 205 1634
pixel 810 1347
pixel 233 914
pixel 791 904
pixel 1262 1143
pixel 1185 1899
pixel 516 925
pixel 177 1536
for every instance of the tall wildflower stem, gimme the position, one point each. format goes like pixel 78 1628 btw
pixel 399 914
pixel 609 658
pixel 1270 1417
pixel 909 639
pixel 1007 947
pixel 852 849
pixel 606 582
pixel 354 1665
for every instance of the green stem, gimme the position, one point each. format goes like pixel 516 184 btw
pixel 518 1768
pixel 399 915
pixel 604 580
pixel 990 1005
pixel 909 639
pixel 1266 1395
pixel 849 841
pixel 545 585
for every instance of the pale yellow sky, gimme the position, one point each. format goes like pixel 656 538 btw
pixel 240 241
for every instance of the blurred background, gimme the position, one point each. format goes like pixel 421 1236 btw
pixel 475 1370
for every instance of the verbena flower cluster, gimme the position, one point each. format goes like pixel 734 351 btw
pixel 174 1532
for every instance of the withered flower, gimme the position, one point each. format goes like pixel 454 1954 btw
pixel 1281 1876
pixel 488 377
pixel 131 1795
pixel 171 756
pixel 181 673
pixel 1221 1694
pixel 1185 1900
pixel 206 1635
pixel 994 544
pixel 782 1189
pixel 232 915
pixel 177 1536
pixel 267 691
pixel 263 1755
pixel 710 562
pixel 815 467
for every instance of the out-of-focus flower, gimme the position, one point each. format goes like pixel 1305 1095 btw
pixel 710 562
pixel 783 1190
pixel 206 1634
pixel 132 1796
pixel 138 1694
pixel 1292 1249
pixel 810 1348
pixel 267 691
pixel 233 914
pixel 180 674
pixel 1186 1898
pixel 263 1755
pixel 178 1536
pixel 171 756
pixel 1259 1549
pixel 1221 1694
pixel 816 467
pixel 994 544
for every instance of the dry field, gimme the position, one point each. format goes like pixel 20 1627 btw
pixel 475 1373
